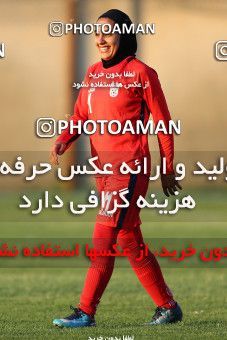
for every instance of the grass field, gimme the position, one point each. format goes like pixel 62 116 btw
pixel 31 297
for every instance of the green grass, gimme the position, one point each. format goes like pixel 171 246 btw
pixel 31 297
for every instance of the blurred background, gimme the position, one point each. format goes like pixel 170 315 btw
pixel 36 79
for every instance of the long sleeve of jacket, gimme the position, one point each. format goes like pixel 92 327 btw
pixel 156 103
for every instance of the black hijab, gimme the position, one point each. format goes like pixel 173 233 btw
pixel 128 43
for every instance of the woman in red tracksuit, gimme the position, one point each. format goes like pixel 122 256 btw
pixel 124 103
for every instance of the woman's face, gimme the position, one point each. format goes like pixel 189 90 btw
pixel 107 44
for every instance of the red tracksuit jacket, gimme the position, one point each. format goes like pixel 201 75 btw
pixel 124 104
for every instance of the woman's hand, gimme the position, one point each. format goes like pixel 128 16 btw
pixel 170 184
pixel 57 150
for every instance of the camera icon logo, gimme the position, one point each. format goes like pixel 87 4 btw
pixel 221 50
pixel 45 127
pixel 56 29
